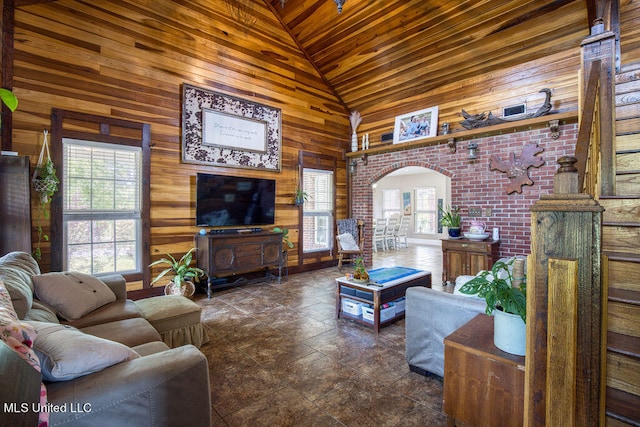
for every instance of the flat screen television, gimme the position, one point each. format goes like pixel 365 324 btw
pixel 235 201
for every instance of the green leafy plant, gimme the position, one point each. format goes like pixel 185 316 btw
pixel 360 271
pixel 9 99
pixel 181 269
pixel 285 236
pixel 450 217
pixel 46 183
pixel 46 175
pixel 300 197
pixel 495 287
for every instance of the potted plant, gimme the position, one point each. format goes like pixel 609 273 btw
pixel 451 219
pixel 360 273
pixel 46 181
pixel 181 283
pixel 505 295
pixel 285 236
pixel 300 197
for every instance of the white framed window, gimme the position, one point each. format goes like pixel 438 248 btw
pixel 102 207
pixel 425 215
pixel 318 210
pixel 391 202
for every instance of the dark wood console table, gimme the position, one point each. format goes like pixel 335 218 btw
pixel 483 386
pixel 226 254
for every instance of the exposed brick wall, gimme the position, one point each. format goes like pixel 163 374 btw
pixel 472 183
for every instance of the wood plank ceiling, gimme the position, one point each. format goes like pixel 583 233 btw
pixel 383 53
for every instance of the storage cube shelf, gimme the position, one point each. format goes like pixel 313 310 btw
pixel 375 305
pixel 385 313
pixel 353 308
pixel 399 303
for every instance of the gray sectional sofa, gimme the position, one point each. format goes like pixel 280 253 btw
pixel 430 316
pixel 101 360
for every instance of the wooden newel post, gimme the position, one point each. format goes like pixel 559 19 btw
pixel 565 225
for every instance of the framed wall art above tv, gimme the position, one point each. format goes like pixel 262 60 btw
pixel 222 130
pixel 416 125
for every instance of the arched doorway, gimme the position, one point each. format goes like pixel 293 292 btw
pixel 414 191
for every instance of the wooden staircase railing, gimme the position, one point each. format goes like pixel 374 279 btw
pixel 588 143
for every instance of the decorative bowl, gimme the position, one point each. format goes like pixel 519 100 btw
pixel 476 236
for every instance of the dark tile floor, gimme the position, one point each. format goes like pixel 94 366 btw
pixel 278 356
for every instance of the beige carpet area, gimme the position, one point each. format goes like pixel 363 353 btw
pixel 279 357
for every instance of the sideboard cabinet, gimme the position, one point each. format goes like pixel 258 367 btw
pixel 235 253
pixel 464 257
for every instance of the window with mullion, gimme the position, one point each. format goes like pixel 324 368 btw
pixel 425 216
pixel 102 207
pixel 390 202
pixel 318 210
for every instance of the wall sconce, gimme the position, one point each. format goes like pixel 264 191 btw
pixel 473 150
pixel 451 143
pixel 352 167
pixel 554 127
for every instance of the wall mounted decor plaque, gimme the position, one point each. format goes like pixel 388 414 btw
pixel 222 130
pixel 516 167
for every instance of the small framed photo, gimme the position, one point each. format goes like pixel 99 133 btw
pixel 416 125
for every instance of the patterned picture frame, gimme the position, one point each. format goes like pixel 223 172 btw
pixel 239 133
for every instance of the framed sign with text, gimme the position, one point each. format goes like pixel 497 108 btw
pixel 222 130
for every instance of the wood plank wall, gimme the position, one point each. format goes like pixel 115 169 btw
pixel 128 59
pixel 501 88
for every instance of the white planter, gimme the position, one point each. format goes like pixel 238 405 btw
pixel 509 332
pixel 354 141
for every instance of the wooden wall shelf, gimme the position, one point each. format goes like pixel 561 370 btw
pixel 504 128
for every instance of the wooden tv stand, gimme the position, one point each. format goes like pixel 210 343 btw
pixel 226 254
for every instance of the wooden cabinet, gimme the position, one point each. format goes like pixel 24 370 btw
pixel 15 204
pixel 225 254
pixel 463 257
pixel 483 386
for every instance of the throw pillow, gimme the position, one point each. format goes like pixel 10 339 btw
pixel 72 294
pixel 347 242
pixel 19 337
pixel 460 281
pixel 16 269
pixel 66 353
pixel 14 332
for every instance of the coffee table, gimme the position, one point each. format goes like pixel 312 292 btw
pixel 378 294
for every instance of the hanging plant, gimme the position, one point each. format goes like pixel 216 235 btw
pixel 45 182
pixel 300 197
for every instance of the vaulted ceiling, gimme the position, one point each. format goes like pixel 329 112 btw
pixel 384 52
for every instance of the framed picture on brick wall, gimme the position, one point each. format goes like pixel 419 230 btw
pixel 416 125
